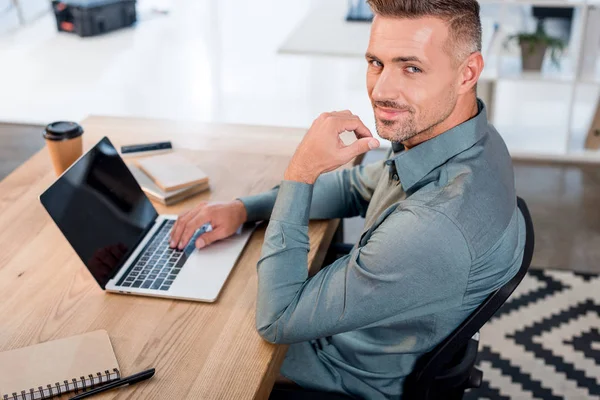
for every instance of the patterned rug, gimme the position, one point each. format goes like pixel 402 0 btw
pixel 544 343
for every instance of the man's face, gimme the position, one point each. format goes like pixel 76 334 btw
pixel 411 78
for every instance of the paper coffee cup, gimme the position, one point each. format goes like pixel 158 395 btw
pixel 64 143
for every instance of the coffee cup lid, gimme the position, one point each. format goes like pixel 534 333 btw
pixel 62 130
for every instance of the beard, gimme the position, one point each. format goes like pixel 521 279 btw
pixel 412 125
pixel 397 131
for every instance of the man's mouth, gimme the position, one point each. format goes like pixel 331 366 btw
pixel 389 113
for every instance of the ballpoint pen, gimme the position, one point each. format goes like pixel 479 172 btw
pixel 130 380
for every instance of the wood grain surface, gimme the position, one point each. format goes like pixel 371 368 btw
pixel 199 350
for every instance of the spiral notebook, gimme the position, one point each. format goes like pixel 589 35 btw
pixel 46 370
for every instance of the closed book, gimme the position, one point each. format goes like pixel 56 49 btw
pixel 172 171
pixel 157 194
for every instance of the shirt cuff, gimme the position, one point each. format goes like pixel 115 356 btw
pixel 259 206
pixel 293 203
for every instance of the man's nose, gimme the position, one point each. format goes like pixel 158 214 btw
pixel 387 87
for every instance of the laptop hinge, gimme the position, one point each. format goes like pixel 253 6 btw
pixel 135 246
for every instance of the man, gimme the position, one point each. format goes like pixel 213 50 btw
pixel 442 230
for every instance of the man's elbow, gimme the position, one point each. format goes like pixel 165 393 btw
pixel 269 332
pixel 273 326
pixel 272 332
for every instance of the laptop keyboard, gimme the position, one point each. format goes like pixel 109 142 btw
pixel 158 265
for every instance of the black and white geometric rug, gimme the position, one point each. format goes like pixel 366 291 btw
pixel 544 343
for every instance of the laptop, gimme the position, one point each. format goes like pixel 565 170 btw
pixel 122 240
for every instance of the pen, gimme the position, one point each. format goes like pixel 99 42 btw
pixel 130 380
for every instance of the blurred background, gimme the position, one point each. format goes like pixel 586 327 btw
pixel 282 63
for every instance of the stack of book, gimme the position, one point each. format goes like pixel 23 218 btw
pixel 169 178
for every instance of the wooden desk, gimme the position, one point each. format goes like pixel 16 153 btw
pixel 200 351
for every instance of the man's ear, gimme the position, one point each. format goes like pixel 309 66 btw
pixel 470 70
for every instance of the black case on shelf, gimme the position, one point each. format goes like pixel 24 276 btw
pixel 93 17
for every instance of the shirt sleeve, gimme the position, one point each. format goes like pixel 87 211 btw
pixel 338 194
pixel 414 263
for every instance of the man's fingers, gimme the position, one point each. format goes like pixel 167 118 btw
pixel 209 237
pixel 344 113
pixel 179 227
pixel 346 121
pixel 361 146
pixel 177 230
pixel 181 222
pixel 354 124
pixel 191 228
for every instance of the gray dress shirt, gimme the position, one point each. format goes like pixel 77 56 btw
pixel 442 232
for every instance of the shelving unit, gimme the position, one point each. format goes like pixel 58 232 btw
pixel 504 68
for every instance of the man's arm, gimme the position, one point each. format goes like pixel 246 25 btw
pixel 343 194
pixel 403 269
pixel 339 194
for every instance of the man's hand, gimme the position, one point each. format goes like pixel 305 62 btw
pixel 225 219
pixel 322 150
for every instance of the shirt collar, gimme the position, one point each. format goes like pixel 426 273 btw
pixel 414 164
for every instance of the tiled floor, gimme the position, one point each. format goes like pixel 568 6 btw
pixel 17 144
pixel 565 206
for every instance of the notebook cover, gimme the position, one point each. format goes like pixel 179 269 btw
pixel 55 362
pixel 157 194
pixel 172 171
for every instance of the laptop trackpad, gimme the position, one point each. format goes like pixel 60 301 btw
pixel 206 270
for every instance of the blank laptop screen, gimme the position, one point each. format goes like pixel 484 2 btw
pixel 100 209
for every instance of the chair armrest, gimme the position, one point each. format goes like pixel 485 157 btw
pixel 475 379
pixel 461 373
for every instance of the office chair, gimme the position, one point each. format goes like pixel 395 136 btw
pixel 448 370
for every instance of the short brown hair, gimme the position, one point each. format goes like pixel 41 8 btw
pixel 462 17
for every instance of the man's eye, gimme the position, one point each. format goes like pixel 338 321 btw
pixel 413 70
pixel 376 64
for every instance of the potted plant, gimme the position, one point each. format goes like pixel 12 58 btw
pixel 534 46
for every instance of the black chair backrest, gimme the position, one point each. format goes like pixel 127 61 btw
pixel 432 364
